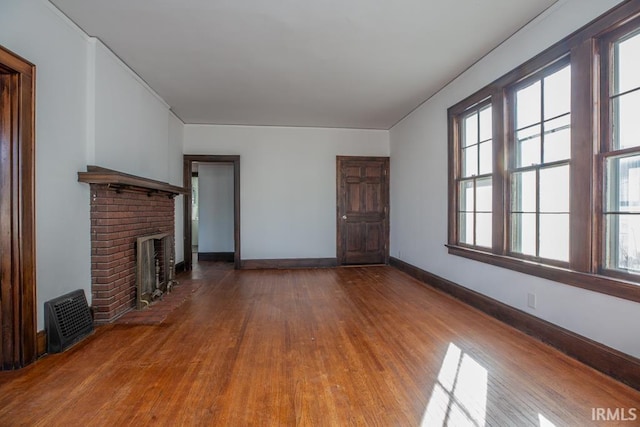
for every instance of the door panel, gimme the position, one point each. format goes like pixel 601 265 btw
pixel 372 197
pixel 362 208
pixel 355 236
pixel 374 238
pixel 353 198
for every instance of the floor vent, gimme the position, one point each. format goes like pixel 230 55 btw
pixel 67 321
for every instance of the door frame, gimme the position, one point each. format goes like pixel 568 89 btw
pixel 340 244
pixel 189 159
pixel 18 321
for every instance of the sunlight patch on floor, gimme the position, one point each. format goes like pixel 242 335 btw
pixel 459 397
pixel 544 422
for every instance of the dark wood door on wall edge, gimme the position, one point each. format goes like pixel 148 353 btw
pixel 18 345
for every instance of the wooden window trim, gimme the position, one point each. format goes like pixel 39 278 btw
pixel 609 285
pixel 606 148
pixel 585 267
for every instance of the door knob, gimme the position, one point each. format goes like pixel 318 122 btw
pixel 344 217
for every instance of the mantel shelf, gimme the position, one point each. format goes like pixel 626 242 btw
pixel 123 181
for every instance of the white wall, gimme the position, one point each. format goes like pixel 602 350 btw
pixel 419 196
pixel 131 121
pixel 287 182
pixel 37 32
pixel 215 208
pixel 90 109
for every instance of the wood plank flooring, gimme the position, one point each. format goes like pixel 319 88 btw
pixel 326 347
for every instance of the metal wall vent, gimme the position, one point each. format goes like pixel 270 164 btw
pixel 67 320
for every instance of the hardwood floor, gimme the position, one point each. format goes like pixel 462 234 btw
pixel 330 347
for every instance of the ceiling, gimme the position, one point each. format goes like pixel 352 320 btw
pixel 322 63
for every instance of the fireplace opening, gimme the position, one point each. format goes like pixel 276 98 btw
pixel 155 268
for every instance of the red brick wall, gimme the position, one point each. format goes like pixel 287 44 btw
pixel 117 220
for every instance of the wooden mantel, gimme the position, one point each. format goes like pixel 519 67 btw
pixel 121 181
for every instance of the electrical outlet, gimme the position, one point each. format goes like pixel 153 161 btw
pixel 531 300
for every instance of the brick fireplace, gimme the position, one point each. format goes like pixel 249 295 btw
pixel 123 208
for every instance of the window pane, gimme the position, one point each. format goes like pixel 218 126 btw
pixel 486 125
pixel 470 161
pixel 626 122
pixel 523 233
pixel 557 139
pixel 557 93
pixel 628 56
pixel 466 196
pixel 554 189
pixel 470 132
pixel 528 147
pixel 483 194
pixel 486 157
pixel 623 184
pixel 554 236
pixel 483 232
pixel 523 195
pixel 623 242
pixel 466 228
pixel 528 106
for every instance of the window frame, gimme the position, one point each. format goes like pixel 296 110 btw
pixel 459 119
pixel 584 49
pixel 606 148
pixel 512 168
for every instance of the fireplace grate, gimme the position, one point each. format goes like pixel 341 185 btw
pixel 67 321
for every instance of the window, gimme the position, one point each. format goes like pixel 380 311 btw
pixel 543 182
pixel 621 152
pixel 474 184
pixel 539 174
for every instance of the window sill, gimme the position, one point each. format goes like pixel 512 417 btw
pixel 603 284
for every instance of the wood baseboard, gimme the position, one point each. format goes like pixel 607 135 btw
pixel 614 363
pixel 179 267
pixel 216 256
pixel 41 343
pixel 258 264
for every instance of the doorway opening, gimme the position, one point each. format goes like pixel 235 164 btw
pixel 212 209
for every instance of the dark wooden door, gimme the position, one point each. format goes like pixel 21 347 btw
pixel 363 210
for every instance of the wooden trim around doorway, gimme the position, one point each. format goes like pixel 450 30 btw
pixel 188 173
pixel 18 344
